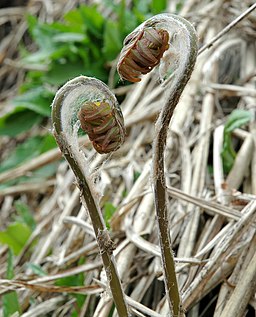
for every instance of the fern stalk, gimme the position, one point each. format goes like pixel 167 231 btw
pixel 65 108
pixel 185 54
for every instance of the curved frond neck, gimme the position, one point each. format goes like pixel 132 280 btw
pixel 168 42
pixel 88 102
pixel 165 40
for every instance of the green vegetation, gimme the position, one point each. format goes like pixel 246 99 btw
pixel 74 280
pixel 85 42
pixel 109 210
pixel 10 300
pixel 236 119
pixel 15 236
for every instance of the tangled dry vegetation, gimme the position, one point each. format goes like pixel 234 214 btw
pixel 212 214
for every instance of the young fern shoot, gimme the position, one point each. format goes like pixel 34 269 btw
pixel 88 103
pixel 170 42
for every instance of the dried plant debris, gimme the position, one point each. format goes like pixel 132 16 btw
pixel 49 259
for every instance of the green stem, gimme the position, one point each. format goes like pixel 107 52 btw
pixel 106 245
pixel 159 184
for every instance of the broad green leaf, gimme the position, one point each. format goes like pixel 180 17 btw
pixel 112 40
pixel 54 41
pixel 60 73
pixel 236 119
pixel 10 304
pixel 38 175
pixel 37 99
pixel 10 300
pixel 43 34
pixel 17 121
pixel 74 280
pixel 15 236
pixel 31 148
pixel 25 214
pixel 92 19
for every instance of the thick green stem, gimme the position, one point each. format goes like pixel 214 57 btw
pixel 106 245
pixel 159 184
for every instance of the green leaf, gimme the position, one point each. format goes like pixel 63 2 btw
pixel 134 18
pixel 37 99
pixel 92 19
pixel 33 80
pixel 36 269
pixel 112 40
pixel 38 57
pixel 74 280
pixel 17 121
pixel 10 270
pixel 15 236
pixel 75 19
pixel 10 304
pixel 60 73
pixel 31 148
pixel 38 175
pixel 142 6
pixel 69 37
pixel 10 300
pixel 179 6
pixel 42 35
pixel 44 172
pixel 158 6
pixel 32 22
pixel 136 175
pixel 55 41
pixel 236 119
pixel 109 210
pixel 47 143
pixel 25 213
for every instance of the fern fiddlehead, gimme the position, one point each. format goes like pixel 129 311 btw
pixel 142 52
pixel 87 102
pixel 148 46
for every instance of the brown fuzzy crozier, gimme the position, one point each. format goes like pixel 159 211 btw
pixel 141 52
pixel 103 125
